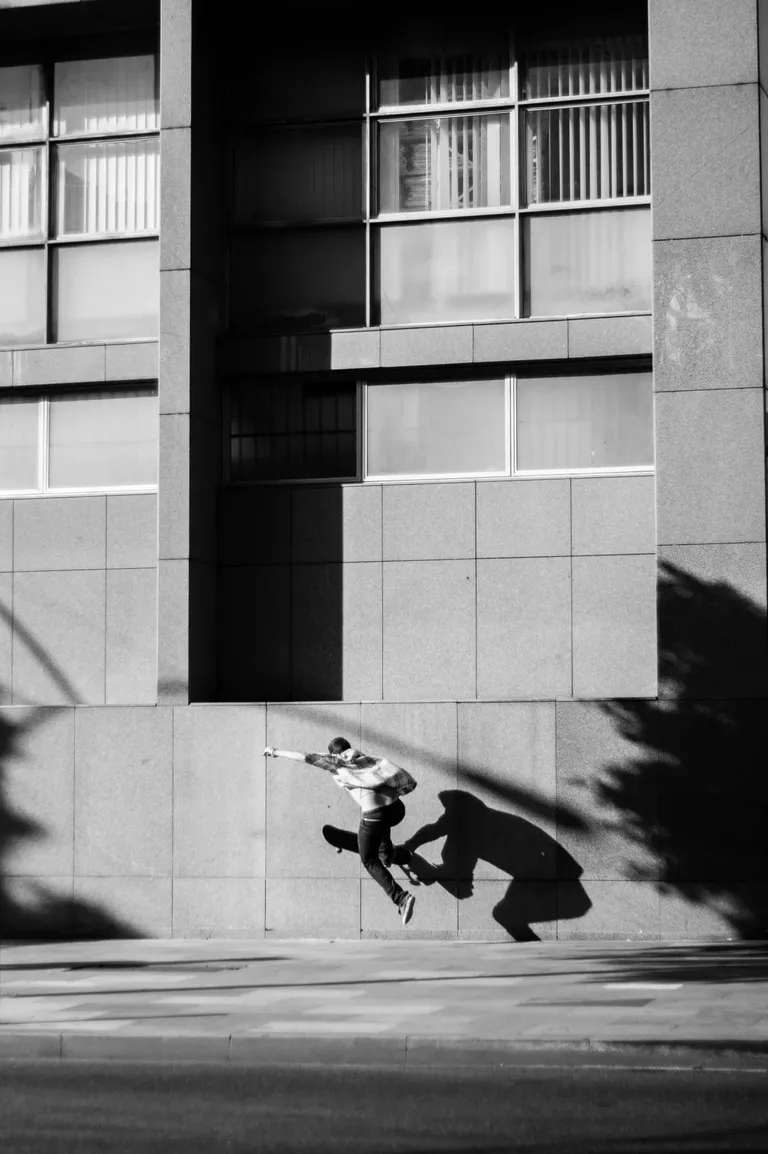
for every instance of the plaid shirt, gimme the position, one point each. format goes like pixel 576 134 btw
pixel 361 778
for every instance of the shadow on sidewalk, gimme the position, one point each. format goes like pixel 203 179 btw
pixel 718 962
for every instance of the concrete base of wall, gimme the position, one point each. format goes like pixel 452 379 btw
pixel 576 820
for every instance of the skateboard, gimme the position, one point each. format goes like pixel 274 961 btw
pixel 342 839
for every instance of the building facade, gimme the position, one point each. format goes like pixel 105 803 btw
pixel 402 384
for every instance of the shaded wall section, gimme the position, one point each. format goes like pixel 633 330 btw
pixel 491 590
pixel 78 599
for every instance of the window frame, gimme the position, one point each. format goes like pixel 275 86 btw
pixel 43 400
pixel 517 105
pixel 511 472
pixel 226 441
pixel 47 58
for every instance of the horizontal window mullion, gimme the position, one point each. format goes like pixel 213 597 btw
pixel 103 237
pixel 100 137
pixel 443 111
pixel 641 95
pixel 585 205
pixel 442 214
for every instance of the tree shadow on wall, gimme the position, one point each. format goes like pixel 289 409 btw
pixel 30 909
pixel 695 795
pixel 530 857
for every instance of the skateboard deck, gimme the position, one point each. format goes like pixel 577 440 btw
pixel 345 839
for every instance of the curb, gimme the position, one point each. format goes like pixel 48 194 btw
pixel 413 1050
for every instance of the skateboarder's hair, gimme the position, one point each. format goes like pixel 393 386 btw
pixel 338 745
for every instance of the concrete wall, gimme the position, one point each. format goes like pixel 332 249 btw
pixel 708 276
pixel 78 599
pixel 190 411
pixel 530 819
pixel 497 590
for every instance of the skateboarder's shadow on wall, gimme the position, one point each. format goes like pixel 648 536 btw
pixel 475 832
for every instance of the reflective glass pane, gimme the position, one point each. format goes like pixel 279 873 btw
pixel 113 95
pixel 434 429
pixel 586 67
pixel 22 296
pixel 595 422
pixel 587 262
pixel 21 103
pixel 103 439
pixel 587 153
pixel 298 281
pixel 444 162
pixel 300 174
pixel 19 447
pixel 108 187
pixel 444 75
pixel 284 430
pixel 21 193
pixel 302 76
pixel 446 271
pixel 106 290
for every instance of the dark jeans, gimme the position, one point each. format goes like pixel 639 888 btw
pixel 375 844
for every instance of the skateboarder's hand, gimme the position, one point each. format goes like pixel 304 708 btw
pixel 269 751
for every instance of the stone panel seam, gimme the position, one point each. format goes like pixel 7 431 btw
pixel 693 87
pixel 381 563
pixel 173 818
pixel 698 392
pixel 13 596
pixel 701 236
pixel 570 565
pixel 74 793
pixel 106 599
pixel 702 544
pixel 477 635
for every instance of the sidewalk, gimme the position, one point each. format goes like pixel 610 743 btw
pixel 388 1001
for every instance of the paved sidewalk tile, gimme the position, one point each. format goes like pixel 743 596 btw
pixel 230 998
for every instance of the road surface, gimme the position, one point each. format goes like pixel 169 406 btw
pixel 69 1106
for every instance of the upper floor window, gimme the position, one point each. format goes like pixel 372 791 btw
pixel 482 181
pixel 79 200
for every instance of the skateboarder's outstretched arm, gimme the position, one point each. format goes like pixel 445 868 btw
pixel 321 760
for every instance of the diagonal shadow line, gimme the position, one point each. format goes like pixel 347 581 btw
pixel 35 648
pixel 530 799
pixel 139 992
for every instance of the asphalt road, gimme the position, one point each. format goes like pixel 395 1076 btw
pixel 52 1107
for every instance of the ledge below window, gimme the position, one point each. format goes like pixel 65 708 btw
pixel 559 339
pixel 79 364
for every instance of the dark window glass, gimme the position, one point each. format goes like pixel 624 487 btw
pixel 301 280
pixel 289 430
pixel 299 174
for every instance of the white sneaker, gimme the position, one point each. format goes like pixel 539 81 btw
pixel 406 908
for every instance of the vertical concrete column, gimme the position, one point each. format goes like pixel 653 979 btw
pixel 708 316
pixel 190 421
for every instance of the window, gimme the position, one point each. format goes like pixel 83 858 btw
pixel 287 430
pixel 434 429
pixel 79 200
pixel 421 430
pixel 507 426
pixel 79 441
pixel 481 181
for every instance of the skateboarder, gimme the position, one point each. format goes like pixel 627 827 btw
pixel 381 807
